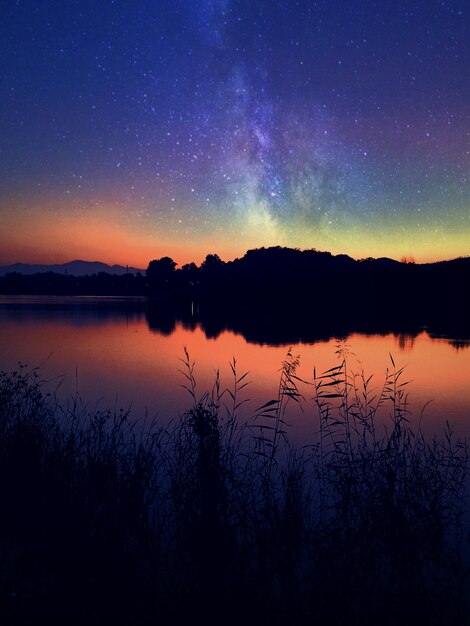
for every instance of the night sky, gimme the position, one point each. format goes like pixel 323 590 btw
pixel 134 129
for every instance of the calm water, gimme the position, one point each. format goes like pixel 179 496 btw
pixel 106 349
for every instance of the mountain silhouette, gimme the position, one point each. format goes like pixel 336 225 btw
pixel 74 268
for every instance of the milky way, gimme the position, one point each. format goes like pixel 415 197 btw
pixel 131 129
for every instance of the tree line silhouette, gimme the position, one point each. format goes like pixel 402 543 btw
pixel 269 284
pixel 53 283
pixel 277 283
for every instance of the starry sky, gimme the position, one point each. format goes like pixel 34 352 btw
pixel 134 129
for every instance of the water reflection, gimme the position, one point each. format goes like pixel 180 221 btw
pixel 297 326
pixel 74 310
pixel 255 326
pixel 123 353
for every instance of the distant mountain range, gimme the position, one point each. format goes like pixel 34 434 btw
pixel 73 268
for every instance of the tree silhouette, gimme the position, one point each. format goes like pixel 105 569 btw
pixel 212 262
pixel 160 273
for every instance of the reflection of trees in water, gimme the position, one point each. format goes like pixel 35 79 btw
pixel 459 344
pixel 406 341
pixel 287 328
pixel 257 324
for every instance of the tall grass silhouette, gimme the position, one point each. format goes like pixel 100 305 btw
pixel 219 517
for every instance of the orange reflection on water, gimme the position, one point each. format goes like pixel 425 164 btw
pixel 119 361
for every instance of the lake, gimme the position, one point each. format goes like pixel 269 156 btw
pixel 108 351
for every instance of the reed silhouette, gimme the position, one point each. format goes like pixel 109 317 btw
pixel 218 517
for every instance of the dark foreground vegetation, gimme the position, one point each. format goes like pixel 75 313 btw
pixel 219 518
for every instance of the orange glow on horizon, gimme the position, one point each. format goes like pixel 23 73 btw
pixel 105 235
pixel 98 238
